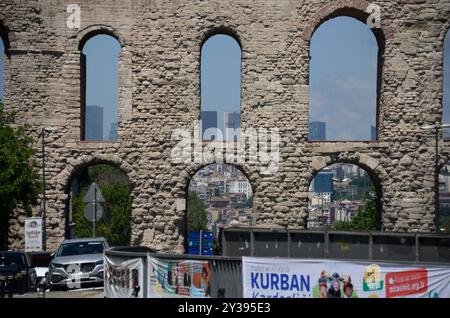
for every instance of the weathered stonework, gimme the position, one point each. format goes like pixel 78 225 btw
pixel 160 91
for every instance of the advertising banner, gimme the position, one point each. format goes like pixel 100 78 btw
pixel 124 279
pixel 178 278
pixel 297 278
pixel 33 234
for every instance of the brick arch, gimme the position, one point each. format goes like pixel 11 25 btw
pixel 65 177
pixel 192 170
pixel 89 32
pixel 6 34
pixel 187 176
pixel 362 160
pixel 373 168
pixel 222 29
pixel 352 8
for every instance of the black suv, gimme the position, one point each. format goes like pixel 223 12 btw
pixel 12 263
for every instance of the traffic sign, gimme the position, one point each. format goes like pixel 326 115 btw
pixel 89 212
pixel 93 194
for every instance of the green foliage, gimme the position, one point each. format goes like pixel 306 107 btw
pixel 247 204
pixel 115 225
pixel 365 219
pixel 444 224
pixel 250 202
pixel 197 219
pixel 19 179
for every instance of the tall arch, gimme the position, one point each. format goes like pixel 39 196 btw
pixel 218 196
pixel 4 47
pixel 343 82
pixel 446 85
pixel 99 75
pixel 112 177
pixel 326 186
pixel 329 14
pixel 220 86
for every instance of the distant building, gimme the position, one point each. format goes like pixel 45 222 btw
pixel 444 204
pixel 113 131
pixel 209 121
pixel 373 133
pixel 339 172
pixel 94 123
pixel 239 186
pixel 219 202
pixel 323 182
pixel 232 121
pixel 317 131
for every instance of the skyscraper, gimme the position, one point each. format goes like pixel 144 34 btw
pixel 373 133
pixel 94 123
pixel 232 121
pixel 323 182
pixel 317 131
pixel 113 131
pixel 209 121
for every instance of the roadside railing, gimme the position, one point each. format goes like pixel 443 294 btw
pixel 226 278
pixel 381 246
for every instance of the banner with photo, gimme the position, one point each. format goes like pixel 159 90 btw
pixel 123 279
pixel 298 278
pixel 178 278
pixel 33 234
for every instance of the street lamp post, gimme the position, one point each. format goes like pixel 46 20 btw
pixel 436 127
pixel 43 212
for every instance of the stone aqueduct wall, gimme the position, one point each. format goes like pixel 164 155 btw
pixel 160 91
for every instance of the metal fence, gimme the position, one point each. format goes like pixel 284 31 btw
pixel 226 281
pixel 382 246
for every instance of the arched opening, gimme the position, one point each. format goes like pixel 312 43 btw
pixel 99 87
pixel 219 196
pixel 443 217
pixel 116 190
pixel 220 88
pixel 344 196
pixel 345 62
pixel 446 87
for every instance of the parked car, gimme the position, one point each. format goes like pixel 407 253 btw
pixel 12 263
pixel 41 262
pixel 78 262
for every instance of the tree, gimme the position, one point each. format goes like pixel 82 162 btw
pixel 197 218
pixel 444 225
pixel 19 178
pixel 365 219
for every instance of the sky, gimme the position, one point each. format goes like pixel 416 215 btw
pixel 221 76
pixel 446 97
pixel 342 77
pixel 102 57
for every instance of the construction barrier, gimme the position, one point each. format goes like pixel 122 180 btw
pixel 144 274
